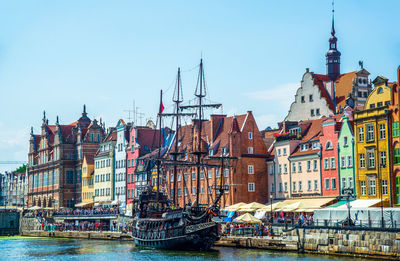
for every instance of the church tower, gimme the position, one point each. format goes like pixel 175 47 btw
pixel 333 55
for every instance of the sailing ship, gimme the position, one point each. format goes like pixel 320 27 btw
pixel 157 223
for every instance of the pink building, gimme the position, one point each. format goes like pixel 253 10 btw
pixel 142 141
pixel 329 156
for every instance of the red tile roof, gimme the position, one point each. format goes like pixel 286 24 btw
pixel 320 80
pixel 344 86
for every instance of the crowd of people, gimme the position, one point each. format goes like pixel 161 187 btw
pixel 88 211
pixel 98 226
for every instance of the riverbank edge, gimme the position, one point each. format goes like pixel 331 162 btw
pixel 273 244
pixel 78 235
pixel 288 246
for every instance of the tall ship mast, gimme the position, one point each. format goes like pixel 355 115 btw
pixel 158 223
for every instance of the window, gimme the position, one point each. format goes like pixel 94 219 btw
pixel 226 173
pixel 179 177
pixel 343 182
pixel 333 163
pixel 397 156
pixel 350 182
pixel 387 103
pixel 395 129
pixel 172 178
pixel 284 151
pixel 315 145
pixel 380 90
pixel 272 187
pixel 371 106
pixel 304 147
pixel 299 166
pixel 361 134
pixel 370 132
pixel 294 167
pixel 250 135
pixel 250 169
pixel 382 131
pixel 279 169
pixel 251 187
pixel 372 187
pixel 309 185
pixel 280 186
pixel 345 141
pixel 201 174
pixel 285 170
pixel 317 112
pixel 326 184
pixel 328 145
pixel 326 163
pixel 250 150
pixel 311 98
pixel 286 189
pixel 193 190
pixel 315 164
pixel 349 161
pixel 362 160
pixel 279 152
pixel 333 183
pixel 300 186
pixel 294 186
pixel 271 169
pixel 315 184
pixel 303 100
pixel 379 104
pixel 193 176
pixel 209 174
pixel 359 94
pixel 308 165
pixel 371 159
pixel 383 159
pixel 312 112
pixel 342 162
pixel 384 187
pixel 209 189
pixel 70 177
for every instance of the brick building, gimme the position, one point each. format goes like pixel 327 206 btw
pixel 55 160
pixel 237 137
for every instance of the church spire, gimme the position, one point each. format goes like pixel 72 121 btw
pixel 333 55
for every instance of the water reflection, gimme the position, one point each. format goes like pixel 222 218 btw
pixel 18 248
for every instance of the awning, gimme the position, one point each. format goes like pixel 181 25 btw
pixel 251 207
pixel 115 202
pixel 302 205
pixel 84 204
pixel 361 203
pixel 338 204
pixel 229 216
pixel 260 214
pixel 247 218
pixel 235 206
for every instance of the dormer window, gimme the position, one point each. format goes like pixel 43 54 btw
pixel 304 147
pixel 315 145
pixel 380 90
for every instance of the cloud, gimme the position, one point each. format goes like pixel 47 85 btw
pixel 282 94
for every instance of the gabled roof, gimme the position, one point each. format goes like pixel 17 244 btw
pixel 344 86
pixel 320 80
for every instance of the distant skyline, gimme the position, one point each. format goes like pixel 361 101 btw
pixel 58 55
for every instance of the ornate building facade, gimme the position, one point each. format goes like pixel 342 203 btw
pixel 55 160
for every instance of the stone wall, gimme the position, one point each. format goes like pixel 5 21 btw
pixel 30 224
pixel 9 223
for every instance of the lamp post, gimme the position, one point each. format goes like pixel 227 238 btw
pixel 380 172
pixel 271 196
pixel 349 221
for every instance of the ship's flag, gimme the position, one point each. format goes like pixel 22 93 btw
pixel 161 108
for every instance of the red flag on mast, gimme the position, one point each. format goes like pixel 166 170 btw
pixel 161 108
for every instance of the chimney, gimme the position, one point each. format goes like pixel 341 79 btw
pixel 215 121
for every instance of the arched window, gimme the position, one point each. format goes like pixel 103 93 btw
pixel 328 145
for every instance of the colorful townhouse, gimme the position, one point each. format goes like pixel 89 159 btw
pixel 395 140
pixel 305 175
pixel 329 156
pixel 142 141
pixel 347 175
pixel 87 182
pixel 120 162
pixel 372 145
pixel 245 176
pixel 104 169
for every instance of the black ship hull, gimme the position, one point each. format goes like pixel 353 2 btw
pixel 196 237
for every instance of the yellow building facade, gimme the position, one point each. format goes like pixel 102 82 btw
pixel 372 143
pixel 87 180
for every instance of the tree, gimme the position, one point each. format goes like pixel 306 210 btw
pixel 21 169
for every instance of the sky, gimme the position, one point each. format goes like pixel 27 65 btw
pixel 58 55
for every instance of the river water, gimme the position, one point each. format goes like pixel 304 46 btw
pixel 28 248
